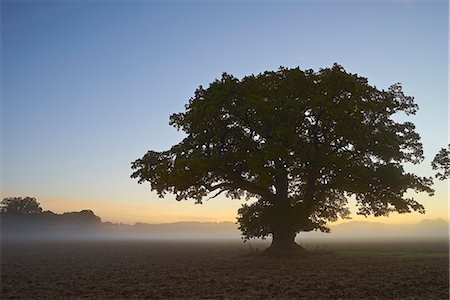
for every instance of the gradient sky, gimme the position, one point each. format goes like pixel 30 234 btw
pixel 88 86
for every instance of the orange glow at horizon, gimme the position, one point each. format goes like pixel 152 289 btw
pixel 154 212
pixel 150 209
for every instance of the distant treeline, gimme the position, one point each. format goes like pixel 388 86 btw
pixel 23 218
pixel 49 217
pixel 28 210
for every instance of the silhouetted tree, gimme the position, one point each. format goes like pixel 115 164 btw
pixel 20 206
pixel 441 162
pixel 300 143
pixel 82 217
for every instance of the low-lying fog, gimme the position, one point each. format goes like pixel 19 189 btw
pixel 17 229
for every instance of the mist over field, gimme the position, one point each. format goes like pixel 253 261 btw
pixel 20 229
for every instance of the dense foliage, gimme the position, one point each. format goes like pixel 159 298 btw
pixel 20 206
pixel 441 162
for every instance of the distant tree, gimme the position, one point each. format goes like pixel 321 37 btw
pixel 20 206
pixel 441 162
pixel 81 217
pixel 300 143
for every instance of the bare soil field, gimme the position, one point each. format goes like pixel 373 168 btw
pixel 219 269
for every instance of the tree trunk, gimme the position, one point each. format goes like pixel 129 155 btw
pixel 283 234
pixel 283 244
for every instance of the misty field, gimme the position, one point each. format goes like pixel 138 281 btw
pixel 221 269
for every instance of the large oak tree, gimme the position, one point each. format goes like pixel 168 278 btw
pixel 298 143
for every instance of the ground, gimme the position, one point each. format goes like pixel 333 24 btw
pixel 220 269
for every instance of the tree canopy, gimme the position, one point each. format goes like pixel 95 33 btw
pixel 20 206
pixel 299 143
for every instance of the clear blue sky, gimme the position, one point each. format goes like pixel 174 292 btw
pixel 88 86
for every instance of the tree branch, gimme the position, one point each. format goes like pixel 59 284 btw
pixel 240 183
pixel 217 194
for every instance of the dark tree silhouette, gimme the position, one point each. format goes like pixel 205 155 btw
pixel 300 143
pixel 20 206
pixel 83 217
pixel 441 162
